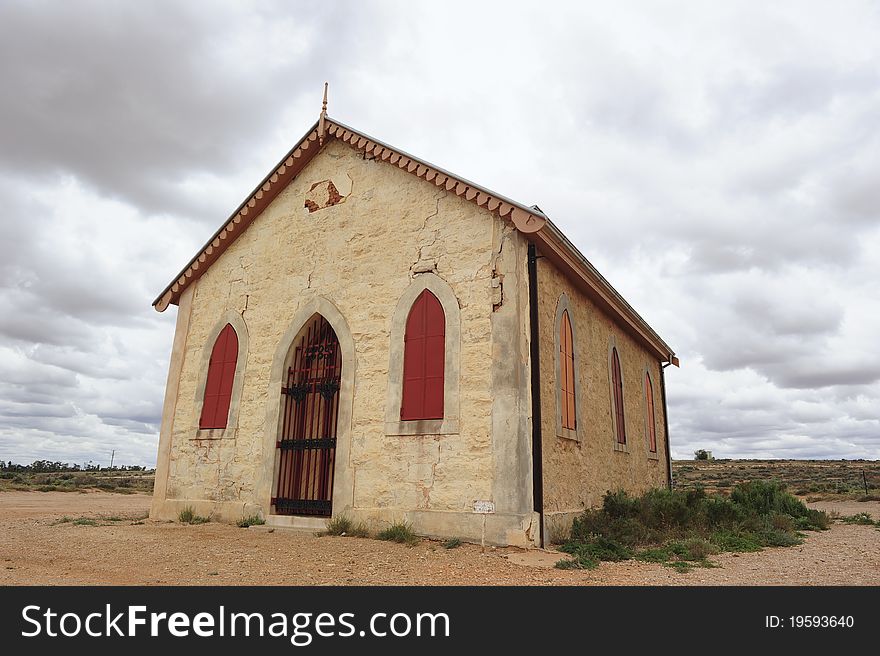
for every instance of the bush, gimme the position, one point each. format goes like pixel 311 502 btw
pixel 360 530
pixel 862 518
pixel 400 532
pixel 338 526
pixel 452 543
pixel 735 541
pixel 344 526
pixel 82 521
pixel 577 563
pixel 251 520
pixel 764 497
pixel 188 516
pixel 598 548
pixel 678 526
pixel 814 520
pixel 693 549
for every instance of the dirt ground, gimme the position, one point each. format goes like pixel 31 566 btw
pixel 41 544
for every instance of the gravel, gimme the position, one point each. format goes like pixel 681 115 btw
pixel 38 549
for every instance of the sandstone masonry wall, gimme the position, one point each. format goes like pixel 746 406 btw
pixel 577 473
pixel 360 253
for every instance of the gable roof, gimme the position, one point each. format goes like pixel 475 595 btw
pixel 530 221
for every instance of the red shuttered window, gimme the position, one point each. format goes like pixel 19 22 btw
pixel 221 373
pixel 649 408
pixel 617 387
pixel 424 356
pixel 566 373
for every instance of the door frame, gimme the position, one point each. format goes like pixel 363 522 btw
pixel 343 489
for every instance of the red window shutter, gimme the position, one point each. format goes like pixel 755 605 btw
pixel 424 359
pixel 218 386
pixel 617 385
pixel 649 406
pixel 566 373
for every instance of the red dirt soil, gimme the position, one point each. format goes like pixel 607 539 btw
pixel 37 548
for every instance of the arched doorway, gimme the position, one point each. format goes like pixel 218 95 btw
pixel 306 445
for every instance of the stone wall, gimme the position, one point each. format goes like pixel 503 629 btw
pixel 356 233
pixel 578 470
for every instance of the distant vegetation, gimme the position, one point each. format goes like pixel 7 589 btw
pixel 682 528
pixel 50 466
pixel 55 476
pixel 815 480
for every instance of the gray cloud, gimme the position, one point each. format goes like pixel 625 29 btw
pixel 718 164
pixel 138 100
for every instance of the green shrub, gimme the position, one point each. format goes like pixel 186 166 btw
pixel 188 516
pixel 675 526
pixel 599 548
pixel 577 563
pixel 338 526
pixel 774 537
pixel 862 518
pixel 360 530
pixel 83 521
pixel 782 522
pixel 400 532
pixel 617 505
pixel 681 566
pixel 721 512
pixel 735 541
pixel 693 549
pixel 814 520
pixel 250 520
pixel 344 526
pixel 654 555
pixel 452 543
pixel 764 497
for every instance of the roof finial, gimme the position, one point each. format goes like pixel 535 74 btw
pixel 323 116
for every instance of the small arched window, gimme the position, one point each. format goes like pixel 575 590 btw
pixel 617 388
pixel 424 356
pixel 221 374
pixel 649 410
pixel 566 374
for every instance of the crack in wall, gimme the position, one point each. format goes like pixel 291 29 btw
pixel 498 278
pixel 422 265
pixel 426 487
pixel 310 273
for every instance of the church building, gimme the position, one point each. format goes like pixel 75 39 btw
pixel 372 336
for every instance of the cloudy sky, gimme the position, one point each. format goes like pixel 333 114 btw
pixel 719 164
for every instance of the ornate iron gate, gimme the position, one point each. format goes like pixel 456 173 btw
pixel 310 407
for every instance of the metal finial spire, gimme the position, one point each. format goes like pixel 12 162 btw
pixel 322 117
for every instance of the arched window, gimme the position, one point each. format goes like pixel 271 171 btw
pixel 649 410
pixel 617 389
pixel 424 355
pixel 221 374
pixel 566 374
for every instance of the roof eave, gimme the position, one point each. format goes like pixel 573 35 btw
pixel 244 203
pixel 530 221
pixel 566 255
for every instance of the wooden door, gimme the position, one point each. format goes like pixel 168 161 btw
pixel 310 407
